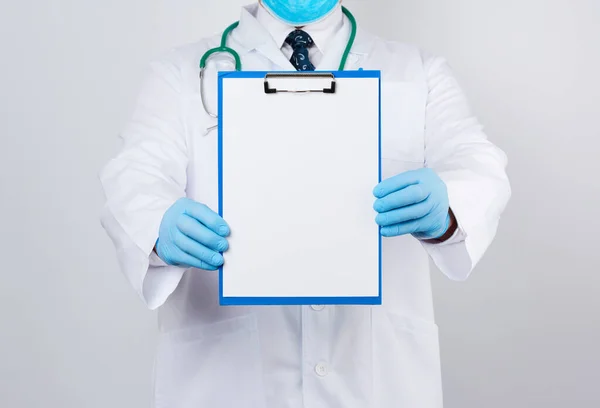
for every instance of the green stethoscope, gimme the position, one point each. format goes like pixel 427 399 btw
pixel 238 63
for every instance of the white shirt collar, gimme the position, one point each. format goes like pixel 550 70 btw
pixel 321 31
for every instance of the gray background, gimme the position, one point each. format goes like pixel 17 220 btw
pixel 522 332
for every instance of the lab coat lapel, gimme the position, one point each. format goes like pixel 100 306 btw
pixel 251 35
pixel 363 45
pixel 333 55
pixel 273 53
pixel 335 49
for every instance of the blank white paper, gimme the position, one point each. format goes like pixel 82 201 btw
pixel 298 171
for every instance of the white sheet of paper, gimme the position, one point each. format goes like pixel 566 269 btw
pixel 297 175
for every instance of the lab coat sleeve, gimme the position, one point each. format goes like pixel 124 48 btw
pixel 147 176
pixel 471 166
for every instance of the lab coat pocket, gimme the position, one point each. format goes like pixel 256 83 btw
pixel 402 121
pixel 193 365
pixel 413 361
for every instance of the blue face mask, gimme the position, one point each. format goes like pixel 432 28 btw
pixel 300 12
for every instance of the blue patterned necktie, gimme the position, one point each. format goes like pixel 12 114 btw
pixel 300 42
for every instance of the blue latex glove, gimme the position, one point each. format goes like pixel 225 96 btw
pixel 414 202
pixel 192 235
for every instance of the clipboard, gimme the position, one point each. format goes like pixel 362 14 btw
pixel 299 155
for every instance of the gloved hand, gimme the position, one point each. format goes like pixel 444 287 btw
pixel 191 234
pixel 414 202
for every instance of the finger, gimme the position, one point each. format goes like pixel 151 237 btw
pixel 408 227
pixel 207 217
pixel 407 196
pixel 198 251
pixel 175 256
pixel 396 183
pixel 193 229
pixel 409 213
pixel 183 259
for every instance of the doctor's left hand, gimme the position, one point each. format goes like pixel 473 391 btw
pixel 415 202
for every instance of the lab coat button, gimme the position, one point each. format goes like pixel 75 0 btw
pixel 317 308
pixel 321 369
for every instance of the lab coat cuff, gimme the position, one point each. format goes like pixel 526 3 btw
pixel 152 279
pixel 160 282
pixel 452 256
pixel 458 236
pixel 452 259
pixel 155 260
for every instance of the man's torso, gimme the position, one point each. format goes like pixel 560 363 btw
pixel 309 356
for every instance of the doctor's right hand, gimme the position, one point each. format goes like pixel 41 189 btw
pixel 192 235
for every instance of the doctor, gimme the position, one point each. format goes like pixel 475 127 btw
pixel 443 192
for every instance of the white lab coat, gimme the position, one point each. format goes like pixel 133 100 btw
pixel 314 357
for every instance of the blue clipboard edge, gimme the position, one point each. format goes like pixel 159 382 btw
pixel 290 301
